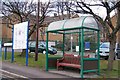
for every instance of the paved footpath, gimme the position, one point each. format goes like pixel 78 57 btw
pixel 27 72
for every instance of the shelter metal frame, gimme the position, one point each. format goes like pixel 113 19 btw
pixel 80 30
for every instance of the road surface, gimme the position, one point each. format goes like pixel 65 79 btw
pixel 10 70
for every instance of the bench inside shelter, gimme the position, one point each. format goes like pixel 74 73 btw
pixel 70 60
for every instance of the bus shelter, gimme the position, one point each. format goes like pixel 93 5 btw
pixel 83 27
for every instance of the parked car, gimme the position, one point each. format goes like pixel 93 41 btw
pixel 105 49
pixel 117 51
pixel 41 48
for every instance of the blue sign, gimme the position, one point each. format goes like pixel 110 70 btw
pixel 87 45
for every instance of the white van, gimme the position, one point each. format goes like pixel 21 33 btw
pixel 105 49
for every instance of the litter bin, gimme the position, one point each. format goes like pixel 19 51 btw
pixel 118 53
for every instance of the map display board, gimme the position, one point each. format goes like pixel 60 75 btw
pixel 20 34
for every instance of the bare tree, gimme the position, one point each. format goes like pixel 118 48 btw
pixel 18 11
pixel 83 6
pixel 60 9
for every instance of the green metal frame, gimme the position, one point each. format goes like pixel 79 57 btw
pixel 63 44
pixel 47 36
pixel 81 41
pixel 98 35
pixel 83 27
pixel 82 53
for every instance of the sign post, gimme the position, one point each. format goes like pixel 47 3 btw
pixel 6 45
pixel 20 38
pixel 5 55
pixel 27 46
pixel 0 49
pixel 12 58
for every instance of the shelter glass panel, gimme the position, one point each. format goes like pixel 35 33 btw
pixel 90 42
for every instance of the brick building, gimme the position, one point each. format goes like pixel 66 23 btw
pixel 113 18
pixel 7 32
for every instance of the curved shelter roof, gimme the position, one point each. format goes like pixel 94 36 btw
pixel 75 23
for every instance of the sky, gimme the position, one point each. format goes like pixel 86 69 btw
pixel 98 10
pixel 101 11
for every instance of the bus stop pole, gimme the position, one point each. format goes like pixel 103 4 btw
pixel 5 53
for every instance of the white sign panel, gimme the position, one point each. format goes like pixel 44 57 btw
pixel 51 44
pixel 20 35
pixel 77 48
pixel 7 44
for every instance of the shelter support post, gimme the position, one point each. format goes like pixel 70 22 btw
pixel 82 52
pixel 98 35
pixel 63 43
pixel 47 51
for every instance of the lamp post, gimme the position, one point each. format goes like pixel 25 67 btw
pixel 71 43
pixel 37 22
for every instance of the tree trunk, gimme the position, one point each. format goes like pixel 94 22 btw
pixel 112 41
pixel 118 37
pixel 23 53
